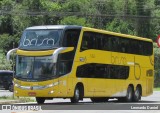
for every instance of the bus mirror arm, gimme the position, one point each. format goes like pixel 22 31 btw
pixel 56 52
pixel 10 52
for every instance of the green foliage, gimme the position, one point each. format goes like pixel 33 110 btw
pixel 19 100
pixel 120 26
pixel 157 65
pixel 73 20
pixel 8 41
pixel 4 65
pixel 135 17
pixel 5 41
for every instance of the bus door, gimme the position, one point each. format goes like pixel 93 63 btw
pixel 84 72
pixel 93 62
pixel 66 60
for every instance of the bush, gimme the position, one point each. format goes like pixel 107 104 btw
pixel 157 66
pixel 4 64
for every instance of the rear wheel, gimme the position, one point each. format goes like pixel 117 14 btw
pixel 129 95
pixel 76 97
pixel 99 99
pixel 40 100
pixel 137 94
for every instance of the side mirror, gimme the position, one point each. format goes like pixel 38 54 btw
pixel 10 52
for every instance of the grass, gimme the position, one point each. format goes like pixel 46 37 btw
pixel 21 99
pixel 157 89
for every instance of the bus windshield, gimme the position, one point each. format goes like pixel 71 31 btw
pixel 35 68
pixel 40 39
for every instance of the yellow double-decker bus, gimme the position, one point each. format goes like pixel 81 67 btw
pixel 65 61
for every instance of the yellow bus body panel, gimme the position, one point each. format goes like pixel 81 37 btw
pixel 141 73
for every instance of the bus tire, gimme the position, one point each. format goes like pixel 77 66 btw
pixel 129 95
pixel 99 99
pixel 137 94
pixel 76 97
pixel 40 100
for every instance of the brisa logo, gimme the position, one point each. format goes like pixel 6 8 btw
pixel 37 42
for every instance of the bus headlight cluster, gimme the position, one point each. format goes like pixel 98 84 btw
pixel 50 92
pixel 16 85
pixel 36 87
pixel 51 85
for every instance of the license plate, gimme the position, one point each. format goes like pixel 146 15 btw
pixel 32 94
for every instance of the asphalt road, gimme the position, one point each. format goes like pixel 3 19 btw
pixel 154 98
pixel 150 104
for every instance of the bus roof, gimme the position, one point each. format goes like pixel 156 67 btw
pixel 55 27
pixel 117 34
pixel 87 29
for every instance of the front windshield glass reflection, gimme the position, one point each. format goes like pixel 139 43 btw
pixel 35 68
pixel 40 39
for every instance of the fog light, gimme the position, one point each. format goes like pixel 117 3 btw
pixel 51 92
pixel 16 92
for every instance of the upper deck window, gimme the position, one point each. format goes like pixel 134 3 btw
pixel 40 39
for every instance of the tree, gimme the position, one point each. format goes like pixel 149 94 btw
pixel 6 20
pixel 73 20
pixel 8 42
pixel 143 23
pixel 4 64
pixel 120 26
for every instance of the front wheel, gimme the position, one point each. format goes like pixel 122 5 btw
pixel 76 97
pixel 40 100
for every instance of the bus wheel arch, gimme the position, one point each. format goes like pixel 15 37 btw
pixel 78 93
pixel 99 99
pixel 137 93
pixel 40 100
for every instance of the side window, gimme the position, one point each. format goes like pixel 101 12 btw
pixel 71 38
pixel 84 71
pixel 88 41
pixel 106 71
pixel 115 44
pixel 100 71
pixel 65 62
pixel 100 41
pixel 84 44
pixel 106 42
pixel 148 48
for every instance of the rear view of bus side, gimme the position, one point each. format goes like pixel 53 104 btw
pixel 79 62
pixel 114 65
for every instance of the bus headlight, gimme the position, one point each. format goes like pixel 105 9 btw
pixel 50 92
pixel 51 85
pixel 16 85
